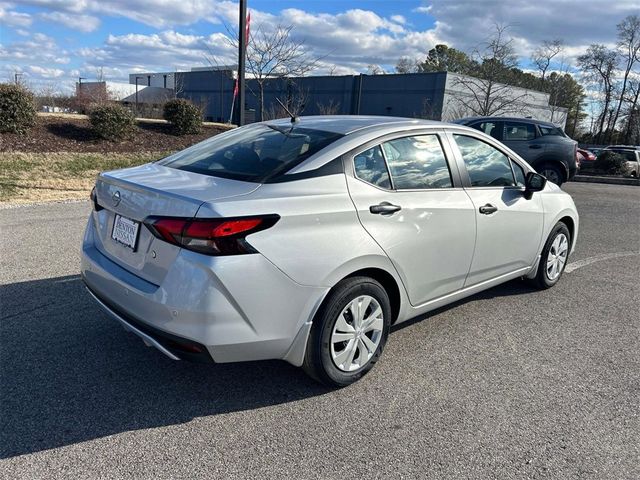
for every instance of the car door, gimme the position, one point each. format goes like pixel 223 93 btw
pixel 523 139
pixel 409 198
pixel 509 227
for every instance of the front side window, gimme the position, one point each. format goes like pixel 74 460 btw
pixel 370 167
pixel 490 128
pixel 486 166
pixel 417 162
pixel 515 131
pixel 253 153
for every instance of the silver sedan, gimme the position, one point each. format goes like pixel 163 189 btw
pixel 305 239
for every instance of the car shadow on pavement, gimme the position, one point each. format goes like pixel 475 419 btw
pixel 513 287
pixel 69 374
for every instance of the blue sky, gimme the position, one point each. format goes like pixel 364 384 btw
pixel 52 42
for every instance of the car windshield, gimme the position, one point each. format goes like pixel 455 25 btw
pixel 253 153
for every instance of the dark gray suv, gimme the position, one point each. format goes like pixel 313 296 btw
pixel 542 144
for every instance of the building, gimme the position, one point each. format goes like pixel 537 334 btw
pixel 437 96
pixel 123 92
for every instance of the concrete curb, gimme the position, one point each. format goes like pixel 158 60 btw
pixel 609 180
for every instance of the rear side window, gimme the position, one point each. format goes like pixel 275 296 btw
pixel 252 154
pixel 630 155
pixel 417 162
pixel 519 131
pixel 490 128
pixel 486 166
pixel 370 167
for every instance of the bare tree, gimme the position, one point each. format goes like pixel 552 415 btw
pixel 100 74
pixel 374 69
pixel 632 130
pixel 273 54
pixel 48 95
pixel 598 64
pixel 295 102
pixel 544 55
pixel 629 50
pixel 484 93
pixel 330 108
pixel 406 65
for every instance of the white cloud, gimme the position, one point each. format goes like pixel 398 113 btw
pixel 46 72
pixel 82 23
pixel 466 23
pixel 12 18
pixel 399 19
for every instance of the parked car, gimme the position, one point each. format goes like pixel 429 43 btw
pixel 631 153
pixel 542 144
pixel 585 159
pixel 306 240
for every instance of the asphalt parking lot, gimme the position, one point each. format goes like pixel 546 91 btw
pixel 511 383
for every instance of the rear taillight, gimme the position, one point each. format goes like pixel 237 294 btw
pixel 212 236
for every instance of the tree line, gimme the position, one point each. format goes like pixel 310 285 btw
pixel 603 85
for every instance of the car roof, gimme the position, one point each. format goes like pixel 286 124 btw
pixel 621 147
pixel 347 124
pixel 524 120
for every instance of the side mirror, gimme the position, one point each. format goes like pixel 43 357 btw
pixel 534 182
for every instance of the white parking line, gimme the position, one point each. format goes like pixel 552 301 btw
pixel 603 256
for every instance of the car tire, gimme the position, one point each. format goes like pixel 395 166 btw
pixel 556 251
pixel 337 355
pixel 553 173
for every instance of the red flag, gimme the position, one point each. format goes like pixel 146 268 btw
pixel 247 29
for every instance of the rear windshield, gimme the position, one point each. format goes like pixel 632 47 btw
pixel 253 153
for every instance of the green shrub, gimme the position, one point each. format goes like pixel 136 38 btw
pixel 17 109
pixel 183 115
pixel 611 163
pixel 112 122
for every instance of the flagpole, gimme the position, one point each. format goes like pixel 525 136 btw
pixel 242 41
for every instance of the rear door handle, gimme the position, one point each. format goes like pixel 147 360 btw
pixel 488 209
pixel 384 208
pixel 535 146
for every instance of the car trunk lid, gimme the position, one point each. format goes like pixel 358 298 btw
pixel 152 190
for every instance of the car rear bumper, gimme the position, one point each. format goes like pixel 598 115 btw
pixel 220 309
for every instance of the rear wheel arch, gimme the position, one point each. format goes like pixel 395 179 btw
pixel 388 282
pixel 382 276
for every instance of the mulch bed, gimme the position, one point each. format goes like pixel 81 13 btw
pixel 58 134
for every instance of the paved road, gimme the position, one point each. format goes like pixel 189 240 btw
pixel 512 383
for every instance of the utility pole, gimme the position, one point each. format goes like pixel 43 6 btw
pixel 242 50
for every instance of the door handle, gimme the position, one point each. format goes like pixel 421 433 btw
pixel 384 208
pixel 535 146
pixel 488 209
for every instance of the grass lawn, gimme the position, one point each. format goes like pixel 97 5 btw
pixel 41 177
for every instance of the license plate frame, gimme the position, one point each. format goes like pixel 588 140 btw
pixel 125 231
